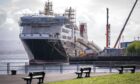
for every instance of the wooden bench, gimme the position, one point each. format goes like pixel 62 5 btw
pixel 87 72
pixel 130 68
pixel 35 75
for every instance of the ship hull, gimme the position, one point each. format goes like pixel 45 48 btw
pixel 43 50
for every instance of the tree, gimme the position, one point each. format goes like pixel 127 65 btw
pixel 133 49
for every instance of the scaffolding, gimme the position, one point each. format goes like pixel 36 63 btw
pixel 48 8
pixel 70 14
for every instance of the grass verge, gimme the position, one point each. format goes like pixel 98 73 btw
pixel 126 78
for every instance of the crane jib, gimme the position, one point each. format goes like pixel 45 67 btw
pixel 125 24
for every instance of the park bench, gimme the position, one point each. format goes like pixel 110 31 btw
pixel 128 68
pixel 35 75
pixel 87 72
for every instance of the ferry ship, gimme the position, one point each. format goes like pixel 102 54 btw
pixel 51 37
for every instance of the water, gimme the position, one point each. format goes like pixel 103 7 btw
pixel 49 69
pixel 18 61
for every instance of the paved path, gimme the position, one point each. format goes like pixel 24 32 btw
pixel 17 79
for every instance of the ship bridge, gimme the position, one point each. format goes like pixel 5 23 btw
pixel 42 20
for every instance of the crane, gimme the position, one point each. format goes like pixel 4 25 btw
pixel 107 30
pixel 125 24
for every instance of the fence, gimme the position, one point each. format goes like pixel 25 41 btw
pixel 97 66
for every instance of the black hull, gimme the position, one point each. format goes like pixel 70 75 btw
pixel 44 50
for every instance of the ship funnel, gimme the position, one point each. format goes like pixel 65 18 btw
pixel 83 30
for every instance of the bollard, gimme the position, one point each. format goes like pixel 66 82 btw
pixel 8 68
pixel 77 67
pixel 61 68
pixel 94 69
pixel 44 67
pixel 26 68
pixel 110 67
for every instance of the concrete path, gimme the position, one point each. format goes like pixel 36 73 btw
pixel 17 79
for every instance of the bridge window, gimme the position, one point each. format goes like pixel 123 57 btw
pixel 69 37
pixel 65 30
pixel 64 37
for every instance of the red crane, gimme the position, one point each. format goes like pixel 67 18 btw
pixel 107 30
pixel 125 24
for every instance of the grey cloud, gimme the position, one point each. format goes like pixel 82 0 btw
pixel 7 34
pixel 4 3
pixel 30 4
pixel 120 4
pixel 3 16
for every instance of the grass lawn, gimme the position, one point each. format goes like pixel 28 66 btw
pixel 126 78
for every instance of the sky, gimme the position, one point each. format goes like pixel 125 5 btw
pixel 92 12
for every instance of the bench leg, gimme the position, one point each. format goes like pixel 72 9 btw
pixel 87 75
pixel 28 81
pixel 39 82
pixel 79 75
pixel 132 71
pixel 120 71
pixel 42 80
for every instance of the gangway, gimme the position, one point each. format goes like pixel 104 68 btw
pixel 92 46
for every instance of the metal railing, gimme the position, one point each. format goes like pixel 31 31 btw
pixel 97 66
